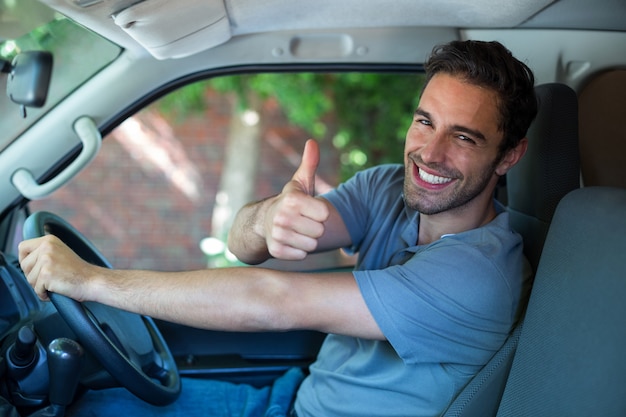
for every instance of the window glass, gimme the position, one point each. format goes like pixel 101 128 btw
pixel 78 54
pixel 167 182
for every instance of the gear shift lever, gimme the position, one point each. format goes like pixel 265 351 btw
pixel 65 357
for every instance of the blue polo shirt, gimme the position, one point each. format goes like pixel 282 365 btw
pixel 445 308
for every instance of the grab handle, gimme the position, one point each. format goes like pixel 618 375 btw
pixel 89 135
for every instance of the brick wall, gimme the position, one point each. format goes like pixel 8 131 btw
pixel 146 201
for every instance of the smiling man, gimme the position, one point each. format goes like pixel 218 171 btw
pixel 439 269
pixel 440 278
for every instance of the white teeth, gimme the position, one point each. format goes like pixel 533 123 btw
pixel 433 179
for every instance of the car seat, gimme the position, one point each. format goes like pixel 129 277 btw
pixel 571 357
pixel 549 170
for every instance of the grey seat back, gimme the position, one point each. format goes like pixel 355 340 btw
pixel 481 397
pixel 571 357
pixel 549 170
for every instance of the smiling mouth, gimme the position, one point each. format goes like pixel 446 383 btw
pixel 433 179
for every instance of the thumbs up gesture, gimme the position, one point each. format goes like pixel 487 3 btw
pixel 304 178
pixel 295 220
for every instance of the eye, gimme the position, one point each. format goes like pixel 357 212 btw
pixel 467 139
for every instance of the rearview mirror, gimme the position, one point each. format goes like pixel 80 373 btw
pixel 29 78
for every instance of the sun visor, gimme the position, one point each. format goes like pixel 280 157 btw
pixel 168 30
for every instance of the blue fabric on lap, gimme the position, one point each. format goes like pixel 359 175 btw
pixel 199 397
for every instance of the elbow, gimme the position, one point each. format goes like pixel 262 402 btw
pixel 271 303
pixel 245 252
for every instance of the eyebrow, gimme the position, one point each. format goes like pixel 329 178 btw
pixel 477 134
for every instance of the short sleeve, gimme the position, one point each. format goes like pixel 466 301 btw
pixel 447 304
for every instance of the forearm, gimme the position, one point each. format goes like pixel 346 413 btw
pixel 246 239
pixel 238 299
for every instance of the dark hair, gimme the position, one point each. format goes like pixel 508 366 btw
pixel 491 65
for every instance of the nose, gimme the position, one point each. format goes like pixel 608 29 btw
pixel 434 149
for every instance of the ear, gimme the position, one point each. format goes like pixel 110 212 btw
pixel 511 157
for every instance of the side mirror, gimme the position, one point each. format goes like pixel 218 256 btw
pixel 29 78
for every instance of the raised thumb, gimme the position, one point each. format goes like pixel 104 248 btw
pixel 305 174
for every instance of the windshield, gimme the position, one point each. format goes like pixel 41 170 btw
pixel 78 54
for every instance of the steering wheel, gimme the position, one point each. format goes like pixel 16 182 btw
pixel 129 346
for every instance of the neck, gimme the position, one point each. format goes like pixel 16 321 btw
pixel 461 219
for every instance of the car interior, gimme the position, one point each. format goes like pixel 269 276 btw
pixel 73 107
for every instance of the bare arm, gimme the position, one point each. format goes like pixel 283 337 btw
pixel 292 224
pixel 238 299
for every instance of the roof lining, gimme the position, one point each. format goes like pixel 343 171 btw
pixel 154 17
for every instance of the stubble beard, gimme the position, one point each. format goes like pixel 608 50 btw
pixel 454 197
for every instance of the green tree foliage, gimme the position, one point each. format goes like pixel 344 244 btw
pixel 374 112
pixel 365 115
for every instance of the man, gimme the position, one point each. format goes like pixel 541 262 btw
pixel 440 276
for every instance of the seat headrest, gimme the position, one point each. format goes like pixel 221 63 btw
pixel 549 170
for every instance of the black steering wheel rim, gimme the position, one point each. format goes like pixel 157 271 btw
pixel 158 382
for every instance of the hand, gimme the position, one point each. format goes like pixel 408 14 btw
pixel 295 220
pixel 50 265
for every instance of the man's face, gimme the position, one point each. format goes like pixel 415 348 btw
pixel 451 146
